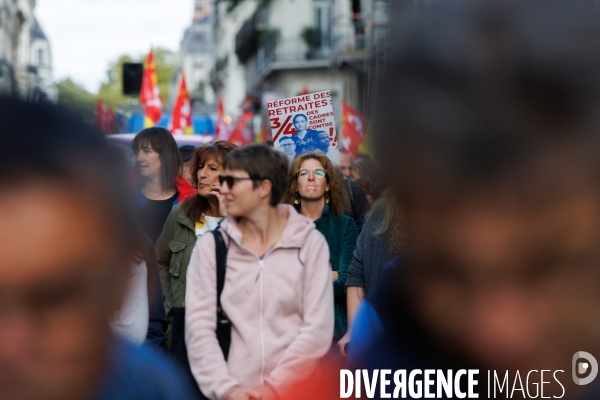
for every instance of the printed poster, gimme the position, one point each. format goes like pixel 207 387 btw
pixel 304 123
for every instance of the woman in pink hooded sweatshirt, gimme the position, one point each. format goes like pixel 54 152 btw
pixel 277 293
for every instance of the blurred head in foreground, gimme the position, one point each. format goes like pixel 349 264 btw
pixel 65 236
pixel 488 122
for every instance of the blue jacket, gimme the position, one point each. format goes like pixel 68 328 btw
pixel 141 373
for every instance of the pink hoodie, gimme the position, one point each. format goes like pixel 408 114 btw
pixel 280 306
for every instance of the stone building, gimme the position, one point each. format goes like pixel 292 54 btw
pixel 196 54
pixel 289 47
pixel 21 42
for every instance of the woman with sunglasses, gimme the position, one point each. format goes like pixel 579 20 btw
pixel 317 192
pixel 277 293
pixel 188 221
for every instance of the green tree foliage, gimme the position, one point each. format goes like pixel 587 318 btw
pixel 76 98
pixel 111 90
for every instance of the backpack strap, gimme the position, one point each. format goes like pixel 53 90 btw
pixel 221 255
pixel 223 329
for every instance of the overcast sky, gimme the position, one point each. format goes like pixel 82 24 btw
pixel 85 35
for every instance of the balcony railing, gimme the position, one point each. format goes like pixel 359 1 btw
pixel 296 50
pixel 288 50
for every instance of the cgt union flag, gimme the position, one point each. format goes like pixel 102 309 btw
pixel 181 117
pixel 354 126
pixel 149 93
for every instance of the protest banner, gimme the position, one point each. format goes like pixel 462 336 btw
pixel 304 123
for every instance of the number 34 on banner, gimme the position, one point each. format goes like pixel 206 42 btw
pixel 287 128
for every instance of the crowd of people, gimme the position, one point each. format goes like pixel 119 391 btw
pixel 290 235
pixel 238 273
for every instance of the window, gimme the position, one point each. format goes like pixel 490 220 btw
pixel 322 18
pixel 40 57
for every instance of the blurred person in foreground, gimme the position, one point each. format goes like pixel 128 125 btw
pixel 142 317
pixel 277 293
pixel 159 166
pixel 487 123
pixel 67 239
pixel 317 192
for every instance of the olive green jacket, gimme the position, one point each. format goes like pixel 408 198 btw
pixel 173 251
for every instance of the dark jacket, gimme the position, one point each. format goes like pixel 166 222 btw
pixel 157 325
pixel 308 143
pixel 173 251
pixel 340 233
pixel 371 253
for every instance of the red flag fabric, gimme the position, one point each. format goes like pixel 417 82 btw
pixel 222 132
pixel 110 121
pixel 354 126
pixel 181 117
pixel 150 94
pixel 184 189
pixel 101 115
pixel 242 133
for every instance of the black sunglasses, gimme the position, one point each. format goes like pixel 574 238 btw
pixel 231 180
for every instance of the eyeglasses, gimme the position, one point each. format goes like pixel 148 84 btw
pixel 317 172
pixel 231 180
pixel 287 144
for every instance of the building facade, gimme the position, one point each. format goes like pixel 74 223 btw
pixel 196 54
pixel 228 76
pixel 290 47
pixel 41 64
pixel 22 42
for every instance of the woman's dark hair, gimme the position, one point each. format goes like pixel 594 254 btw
pixel 195 206
pixel 161 141
pixel 261 162
pixel 298 115
pixel 338 203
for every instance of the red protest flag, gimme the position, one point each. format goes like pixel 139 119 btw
pixel 242 134
pixel 110 121
pixel 222 132
pixel 181 117
pixel 150 94
pixel 354 126
pixel 100 119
